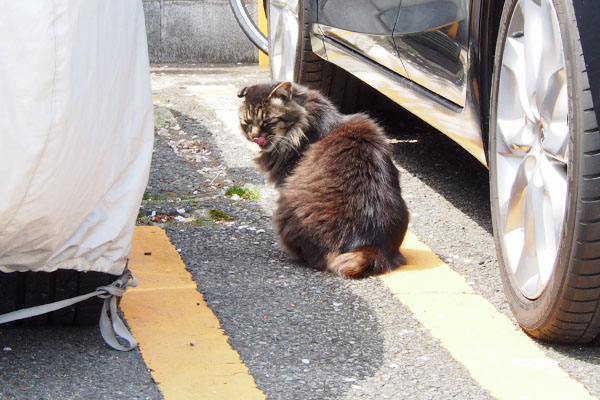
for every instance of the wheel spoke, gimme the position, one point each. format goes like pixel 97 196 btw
pixel 290 24
pixel 543 221
pixel 551 47
pixel 509 131
pixel 538 254
pixel 526 271
pixel 556 144
pixel 527 277
pixel 280 4
pixel 554 104
pixel 554 176
pixel 515 206
pixel 514 77
pixel 532 37
pixel 275 44
pixel 283 38
pixel 555 109
pixel 293 7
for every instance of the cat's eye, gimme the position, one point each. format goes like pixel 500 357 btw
pixel 269 124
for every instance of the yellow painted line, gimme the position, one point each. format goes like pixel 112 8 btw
pixel 180 338
pixel 502 358
pixel 263 59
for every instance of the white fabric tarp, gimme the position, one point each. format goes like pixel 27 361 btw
pixel 76 132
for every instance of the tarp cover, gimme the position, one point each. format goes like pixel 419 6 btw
pixel 76 132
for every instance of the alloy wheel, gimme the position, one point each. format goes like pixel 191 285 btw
pixel 532 145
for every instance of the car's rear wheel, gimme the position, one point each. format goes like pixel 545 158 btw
pixel 544 172
pixel 291 57
pixel 290 52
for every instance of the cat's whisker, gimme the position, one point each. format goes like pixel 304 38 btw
pixel 272 144
pixel 289 143
pixel 285 143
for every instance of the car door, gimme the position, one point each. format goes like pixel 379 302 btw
pixel 364 27
pixel 431 37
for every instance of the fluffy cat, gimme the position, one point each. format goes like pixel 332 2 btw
pixel 340 207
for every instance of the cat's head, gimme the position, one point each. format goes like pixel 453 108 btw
pixel 272 112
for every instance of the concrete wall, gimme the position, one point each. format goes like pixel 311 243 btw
pixel 196 31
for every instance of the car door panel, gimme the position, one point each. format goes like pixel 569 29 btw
pixel 363 26
pixel 431 37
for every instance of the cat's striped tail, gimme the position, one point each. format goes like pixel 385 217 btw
pixel 363 261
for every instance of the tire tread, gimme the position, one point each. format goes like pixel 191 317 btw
pixel 20 290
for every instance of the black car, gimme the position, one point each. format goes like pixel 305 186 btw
pixel 514 82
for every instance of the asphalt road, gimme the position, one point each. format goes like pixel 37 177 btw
pixel 301 333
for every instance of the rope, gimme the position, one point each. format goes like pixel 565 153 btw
pixel 110 323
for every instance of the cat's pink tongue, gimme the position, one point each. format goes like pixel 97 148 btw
pixel 261 141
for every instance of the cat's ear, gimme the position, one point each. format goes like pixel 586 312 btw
pixel 282 91
pixel 243 92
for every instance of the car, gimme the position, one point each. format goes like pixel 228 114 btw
pixel 514 82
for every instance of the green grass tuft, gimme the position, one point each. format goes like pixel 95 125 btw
pixel 153 197
pixel 218 215
pixel 244 192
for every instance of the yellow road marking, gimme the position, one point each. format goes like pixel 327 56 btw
pixel 263 59
pixel 502 358
pixel 180 338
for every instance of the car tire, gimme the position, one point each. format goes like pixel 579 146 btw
pixel 527 177
pixel 308 69
pixel 19 290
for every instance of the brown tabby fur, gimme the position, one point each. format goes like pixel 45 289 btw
pixel 340 207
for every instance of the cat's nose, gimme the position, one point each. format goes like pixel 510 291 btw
pixel 255 132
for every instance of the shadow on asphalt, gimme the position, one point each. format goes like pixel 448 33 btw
pixel 437 161
pixel 299 331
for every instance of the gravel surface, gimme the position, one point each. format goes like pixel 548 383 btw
pixel 69 363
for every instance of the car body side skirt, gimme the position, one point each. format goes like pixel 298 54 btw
pixel 462 124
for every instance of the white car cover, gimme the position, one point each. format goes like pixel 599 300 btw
pixel 76 132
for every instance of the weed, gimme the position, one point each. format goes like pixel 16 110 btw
pixel 244 192
pixel 153 197
pixel 218 215
pixel 143 219
pixel 163 118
